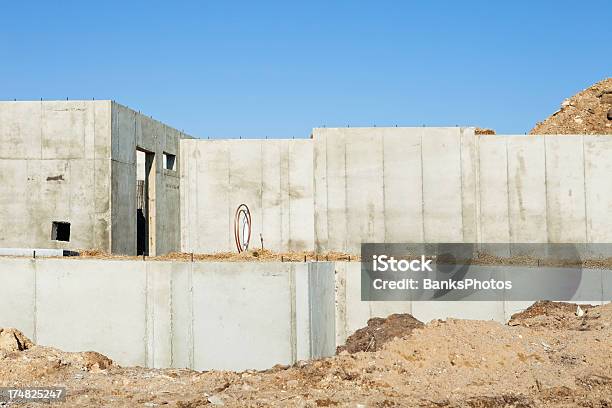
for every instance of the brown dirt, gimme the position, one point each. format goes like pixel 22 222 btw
pixel 254 255
pixel 484 131
pixel 380 331
pixel 587 113
pixel 13 340
pixel 456 363
pixel 562 316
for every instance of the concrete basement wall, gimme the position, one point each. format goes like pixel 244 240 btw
pixel 273 177
pixel 131 130
pixel 55 166
pixel 225 316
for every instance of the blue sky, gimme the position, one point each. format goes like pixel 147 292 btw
pixel 278 69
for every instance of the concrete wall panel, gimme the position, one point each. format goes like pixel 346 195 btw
pixel 272 177
pixel 93 305
pixel 159 313
pixel 299 196
pixel 131 131
pixel 527 189
pixel 54 157
pixel 334 148
pixel 403 186
pixel 248 322
pixel 598 188
pixel 365 217
pixel 18 300
pixel 322 309
pixel 64 126
pixel 389 184
pixel 442 198
pixel 469 185
pixel 20 130
pixel 565 189
pixel 493 190
pixel 319 189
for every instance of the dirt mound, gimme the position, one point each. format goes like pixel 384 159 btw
pixel 588 112
pixel 563 316
pixel 41 361
pixel 380 331
pixel 13 340
pixel 484 131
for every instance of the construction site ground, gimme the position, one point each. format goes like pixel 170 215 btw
pixel 550 355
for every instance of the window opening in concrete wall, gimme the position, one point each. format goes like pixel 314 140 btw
pixel 169 161
pixel 60 231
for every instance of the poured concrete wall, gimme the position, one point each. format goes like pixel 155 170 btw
pixel 392 185
pixel 55 166
pixel 272 177
pixel 449 185
pixel 132 131
pixel 232 316
pixel 545 189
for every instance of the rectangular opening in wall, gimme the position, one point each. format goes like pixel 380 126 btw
pixel 169 161
pixel 145 202
pixel 60 231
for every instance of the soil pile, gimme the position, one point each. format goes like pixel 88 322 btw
pixel 484 131
pixel 453 363
pixel 13 340
pixel 588 112
pixel 562 316
pixel 380 331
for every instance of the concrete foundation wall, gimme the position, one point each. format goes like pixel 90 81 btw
pixel 272 177
pixel 232 316
pixel 545 189
pixel 449 185
pixel 55 166
pixel 132 131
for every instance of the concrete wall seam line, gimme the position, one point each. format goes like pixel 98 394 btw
pixel 293 313
pixel 461 184
pixel 147 310
pixel 346 209
pixel 546 208
pixel 326 237
pixel 311 288
pixel 93 226
pixel 190 337
pixel 384 203
pixel 584 180
pixel 228 197
pixel 171 309
pixel 261 189
pixel 289 232
pixel 35 317
pixel 477 190
pixel 510 235
pixel 422 189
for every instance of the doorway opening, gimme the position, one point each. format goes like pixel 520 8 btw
pixel 145 203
